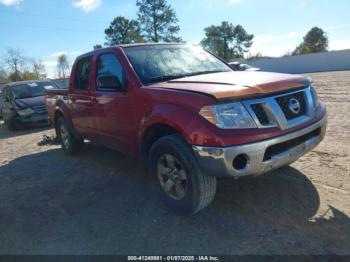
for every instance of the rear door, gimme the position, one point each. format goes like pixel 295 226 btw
pixel 82 105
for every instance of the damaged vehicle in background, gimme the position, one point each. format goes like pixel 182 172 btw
pixel 1 87
pixel 23 103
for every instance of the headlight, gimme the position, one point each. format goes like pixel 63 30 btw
pixel 25 112
pixel 228 116
pixel 314 97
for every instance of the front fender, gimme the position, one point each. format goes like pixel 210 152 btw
pixel 175 116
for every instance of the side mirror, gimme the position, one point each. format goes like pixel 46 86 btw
pixel 109 83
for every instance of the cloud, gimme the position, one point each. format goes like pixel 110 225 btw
pixel 87 5
pixel 72 53
pixel 50 63
pixel 264 39
pixel 339 44
pixel 10 2
pixel 273 50
pixel 77 52
pixel 275 45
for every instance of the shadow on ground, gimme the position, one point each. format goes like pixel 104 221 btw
pixel 24 130
pixel 100 203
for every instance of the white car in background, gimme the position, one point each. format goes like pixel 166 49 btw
pixel 243 67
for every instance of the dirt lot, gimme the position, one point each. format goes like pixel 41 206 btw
pixel 100 203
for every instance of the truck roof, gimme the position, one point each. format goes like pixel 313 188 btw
pixel 148 44
pixel 126 46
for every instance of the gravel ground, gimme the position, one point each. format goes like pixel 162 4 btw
pixel 100 203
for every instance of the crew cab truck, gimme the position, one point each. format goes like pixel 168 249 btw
pixel 187 115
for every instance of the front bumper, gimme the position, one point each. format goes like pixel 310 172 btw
pixel 260 157
pixel 33 119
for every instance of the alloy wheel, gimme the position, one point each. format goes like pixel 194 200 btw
pixel 172 176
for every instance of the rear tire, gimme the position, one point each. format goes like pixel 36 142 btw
pixel 70 144
pixel 185 189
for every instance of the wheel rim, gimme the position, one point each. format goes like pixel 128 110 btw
pixel 172 176
pixel 64 135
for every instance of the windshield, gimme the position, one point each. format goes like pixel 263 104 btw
pixel 165 62
pixel 30 89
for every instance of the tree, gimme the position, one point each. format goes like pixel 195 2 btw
pixel 227 41
pixel 38 69
pixel 158 21
pixel 15 61
pixel 3 75
pixel 123 31
pixel 62 66
pixel 98 46
pixel 315 41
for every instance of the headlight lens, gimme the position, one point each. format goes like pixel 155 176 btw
pixel 314 97
pixel 25 112
pixel 228 116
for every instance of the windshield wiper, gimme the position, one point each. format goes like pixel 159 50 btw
pixel 171 77
pixel 205 72
pixel 165 77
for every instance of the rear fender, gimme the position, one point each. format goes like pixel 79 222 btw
pixel 62 110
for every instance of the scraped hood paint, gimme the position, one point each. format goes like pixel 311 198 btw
pixel 236 84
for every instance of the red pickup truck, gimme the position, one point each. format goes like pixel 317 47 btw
pixel 187 115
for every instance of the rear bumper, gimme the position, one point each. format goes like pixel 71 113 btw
pixel 260 157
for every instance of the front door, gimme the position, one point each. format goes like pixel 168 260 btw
pixel 114 116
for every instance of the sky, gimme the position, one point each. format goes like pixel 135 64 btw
pixel 44 29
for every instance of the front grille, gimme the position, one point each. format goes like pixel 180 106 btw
pixel 283 102
pixel 261 114
pixel 40 109
pixel 285 146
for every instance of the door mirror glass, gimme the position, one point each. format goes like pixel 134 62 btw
pixel 109 83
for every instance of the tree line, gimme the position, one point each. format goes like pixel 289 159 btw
pixel 157 22
pixel 19 67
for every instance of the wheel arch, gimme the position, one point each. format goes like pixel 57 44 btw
pixel 151 134
pixel 60 112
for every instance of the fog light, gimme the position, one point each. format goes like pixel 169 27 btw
pixel 215 152
pixel 240 162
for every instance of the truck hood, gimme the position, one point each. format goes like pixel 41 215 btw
pixel 236 84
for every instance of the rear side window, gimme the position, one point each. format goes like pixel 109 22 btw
pixel 109 65
pixel 82 74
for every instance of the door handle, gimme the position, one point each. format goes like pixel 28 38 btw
pixel 93 100
pixel 73 99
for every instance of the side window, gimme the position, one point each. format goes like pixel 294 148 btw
pixel 109 65
pixel 82 74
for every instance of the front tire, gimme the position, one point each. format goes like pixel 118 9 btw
pixel 11 124
pixel 185 189
pixel 70 144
